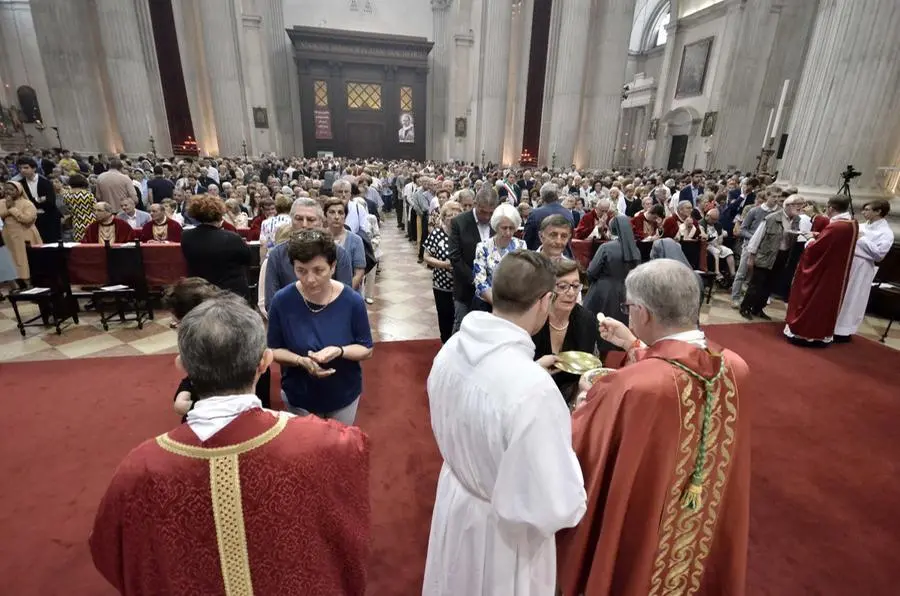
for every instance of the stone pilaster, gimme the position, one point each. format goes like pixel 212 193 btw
pixel 75 74
pixel 568 84
pixel 654 156
pixel 441 55
pixel 847 109
pixel 221 43
pixel 134 86
pixel 598 138
pixel 496 35
pixel 738 91
pixel 279 49
pixel 546 153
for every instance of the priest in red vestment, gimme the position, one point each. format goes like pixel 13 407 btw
pixel 238 499
pixel 664 447
pixel 107 228
pixel 160 228
pixel 821 278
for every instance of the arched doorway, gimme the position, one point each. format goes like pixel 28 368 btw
pixel 680 124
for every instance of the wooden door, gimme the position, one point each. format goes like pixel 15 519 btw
pixel 365 139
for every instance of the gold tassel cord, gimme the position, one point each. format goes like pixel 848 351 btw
pixel 693 494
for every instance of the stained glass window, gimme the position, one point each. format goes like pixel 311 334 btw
pixel 406 99
pixel 321 92
pixel 364 96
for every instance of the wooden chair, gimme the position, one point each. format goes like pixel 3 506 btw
pixel 50 290
pixel 886 288
pixel 126 295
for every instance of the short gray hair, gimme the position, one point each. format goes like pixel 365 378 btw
pixel 221 342
pixel 465 193
pixel 547 190
pixel 505 211
pixel 487 197
pixel 342 182
pixel 309 203
pixel 668 289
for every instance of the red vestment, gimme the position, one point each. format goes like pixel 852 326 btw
pixel 637 439
pixel 643 228
pixel 124 232
pixel 285 510
pixel 820 281
pixel 173 231
pixel 256 227
pixel 670 226
pixel 586 225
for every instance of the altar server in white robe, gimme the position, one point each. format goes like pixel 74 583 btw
pixel 510 478
pixel 873 244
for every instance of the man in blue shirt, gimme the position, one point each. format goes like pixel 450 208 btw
pixel 306 214
pixel 551 206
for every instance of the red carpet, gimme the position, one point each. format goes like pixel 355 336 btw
pixel 825 478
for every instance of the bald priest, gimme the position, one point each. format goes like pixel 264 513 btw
pixel 664 447
pixel 237 500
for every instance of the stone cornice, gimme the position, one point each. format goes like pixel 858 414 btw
pixel 317 41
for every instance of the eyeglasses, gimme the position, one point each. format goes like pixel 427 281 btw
pixel 564 287
pixel 625 306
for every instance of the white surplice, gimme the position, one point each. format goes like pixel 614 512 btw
pixel 872 245
pixel 510 478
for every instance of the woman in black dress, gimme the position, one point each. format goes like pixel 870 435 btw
pixel 569 327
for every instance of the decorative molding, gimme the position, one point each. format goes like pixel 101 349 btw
pixel 363 46
pixel 464 39
pixel 440 5
pixel 253 21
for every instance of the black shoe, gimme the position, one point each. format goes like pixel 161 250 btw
pixel 842 339
pixel 746 314
pixel 762 315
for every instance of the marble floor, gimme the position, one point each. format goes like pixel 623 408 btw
pixel 403 309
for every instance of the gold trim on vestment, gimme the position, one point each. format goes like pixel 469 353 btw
pixel 227 506
pixel 177 448
pixel 228 512
pixel 685 534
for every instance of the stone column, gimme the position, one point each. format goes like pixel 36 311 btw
pixel 134 82
pixel 74 73
pixel 546 152
pixel 497 30
pixel 518 82
pixel 221 44
pixel 610 60
pixel 189 30
pixel 278 46
pixel 847 109
pixel 750 33
pixel 655 153
pixel 568 84
pixel 439 118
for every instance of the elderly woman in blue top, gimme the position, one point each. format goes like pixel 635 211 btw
pixel 504 222
pixel 319 332
pixel 335 216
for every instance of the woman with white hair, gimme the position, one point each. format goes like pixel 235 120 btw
pixel 488 254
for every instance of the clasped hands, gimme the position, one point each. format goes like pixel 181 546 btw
pixel 314 361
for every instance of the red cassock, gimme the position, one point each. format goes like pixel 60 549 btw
pixel 173 231
pixel 124 232
pixel 648 529
pixel 670 226
pixel 643 228
pixel 256 227
pixel 820 282
pixel 267 505
pixel 228 226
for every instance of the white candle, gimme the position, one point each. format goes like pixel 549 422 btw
pixel 768 128
pixel 781 101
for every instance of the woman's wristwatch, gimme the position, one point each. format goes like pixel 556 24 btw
pixel 342 351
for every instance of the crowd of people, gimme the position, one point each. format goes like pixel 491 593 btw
pixel 512 291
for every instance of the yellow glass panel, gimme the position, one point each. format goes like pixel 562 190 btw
pixel 406 99
pixel 321 92
pixel 364 96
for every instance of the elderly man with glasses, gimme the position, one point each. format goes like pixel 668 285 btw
pixel 306 214
pixel 664 444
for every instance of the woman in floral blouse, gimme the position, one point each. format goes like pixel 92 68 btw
pixel 437 257
pixel 505 221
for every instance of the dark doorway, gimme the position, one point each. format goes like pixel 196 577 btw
pixel 28 103
pixel 537 74
pixel 178 112
pixel 676 154
pixel 365 139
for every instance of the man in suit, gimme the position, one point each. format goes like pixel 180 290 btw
pixel 550 206
pixel 466 231
pixel 692 191
pixel 40 192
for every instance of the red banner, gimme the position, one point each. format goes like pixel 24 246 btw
pixel 323 124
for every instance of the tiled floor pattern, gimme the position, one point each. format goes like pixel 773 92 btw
pixel 403 309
